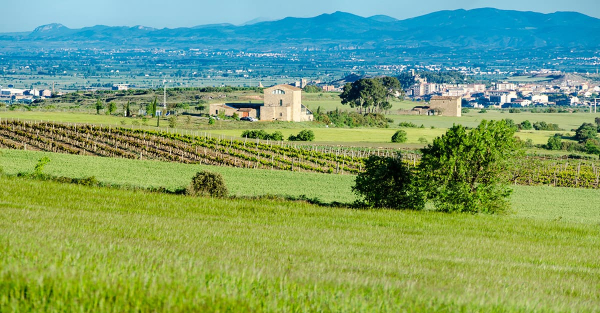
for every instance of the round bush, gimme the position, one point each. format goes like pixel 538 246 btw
pixel 399 136
pixel 207 183
pixel 304 135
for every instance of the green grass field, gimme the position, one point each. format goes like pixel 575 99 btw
pixel 566 121
pixel 345 136
pixel 349 136
pixel 331 102
pixel 240 182
pixel 75 248
pixel 539 202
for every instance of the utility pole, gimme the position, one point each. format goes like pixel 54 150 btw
pixel 165 93
pixel 595 105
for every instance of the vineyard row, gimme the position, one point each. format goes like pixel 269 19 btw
pixel 175 147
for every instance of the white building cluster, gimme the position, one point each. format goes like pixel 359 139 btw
pixel 13 95
pixel 508 94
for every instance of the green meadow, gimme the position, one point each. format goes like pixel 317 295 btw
pixel 540 202
pixel 75 248
pixel 67 247
pixel 566 121
pixel 155 174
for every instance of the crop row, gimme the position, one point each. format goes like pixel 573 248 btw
pixel 174 147
pixel 575 174
pixel 128 143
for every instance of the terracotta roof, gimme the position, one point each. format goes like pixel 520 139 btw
pixel 283 86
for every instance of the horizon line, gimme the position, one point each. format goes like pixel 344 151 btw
pixel 266 19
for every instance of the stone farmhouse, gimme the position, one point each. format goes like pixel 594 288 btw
pixel 281 103
pixel 444 106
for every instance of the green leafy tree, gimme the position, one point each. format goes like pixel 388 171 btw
pixel 261 134
pixel 546 126
pixel 554 142
pixel 112 107
pixel 526 125
pixel 211 120
pixel 399 136
pixel 406 80
pixel 99 106
pixel 312 89
pixel 388 183
pixel 149 108
pixel 393 89
pixel 276 136
pixel 303 135
pixel 510 123
pixel 367 94
pixel 446 77
pixel 465 171
pixel 591 147
pixel 586 131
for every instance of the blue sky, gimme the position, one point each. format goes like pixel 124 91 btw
pixel 26 15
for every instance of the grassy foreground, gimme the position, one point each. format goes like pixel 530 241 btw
pixel 74 248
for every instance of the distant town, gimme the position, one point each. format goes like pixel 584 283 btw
pixel 553 89
pixel 510 95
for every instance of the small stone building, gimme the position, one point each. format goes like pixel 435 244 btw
pixel 284 103
pixel 421 110
pixel 446 106
pixel 281 103
pixel 241 109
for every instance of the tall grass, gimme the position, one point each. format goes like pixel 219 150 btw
pixel 74 248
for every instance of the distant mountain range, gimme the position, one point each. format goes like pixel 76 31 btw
pixel 459 29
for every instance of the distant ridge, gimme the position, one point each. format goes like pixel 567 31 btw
pixel 257 20
pixel 383 18
pixel 485 28
pixel 51 29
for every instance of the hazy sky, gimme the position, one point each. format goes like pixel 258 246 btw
pixel 26 15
